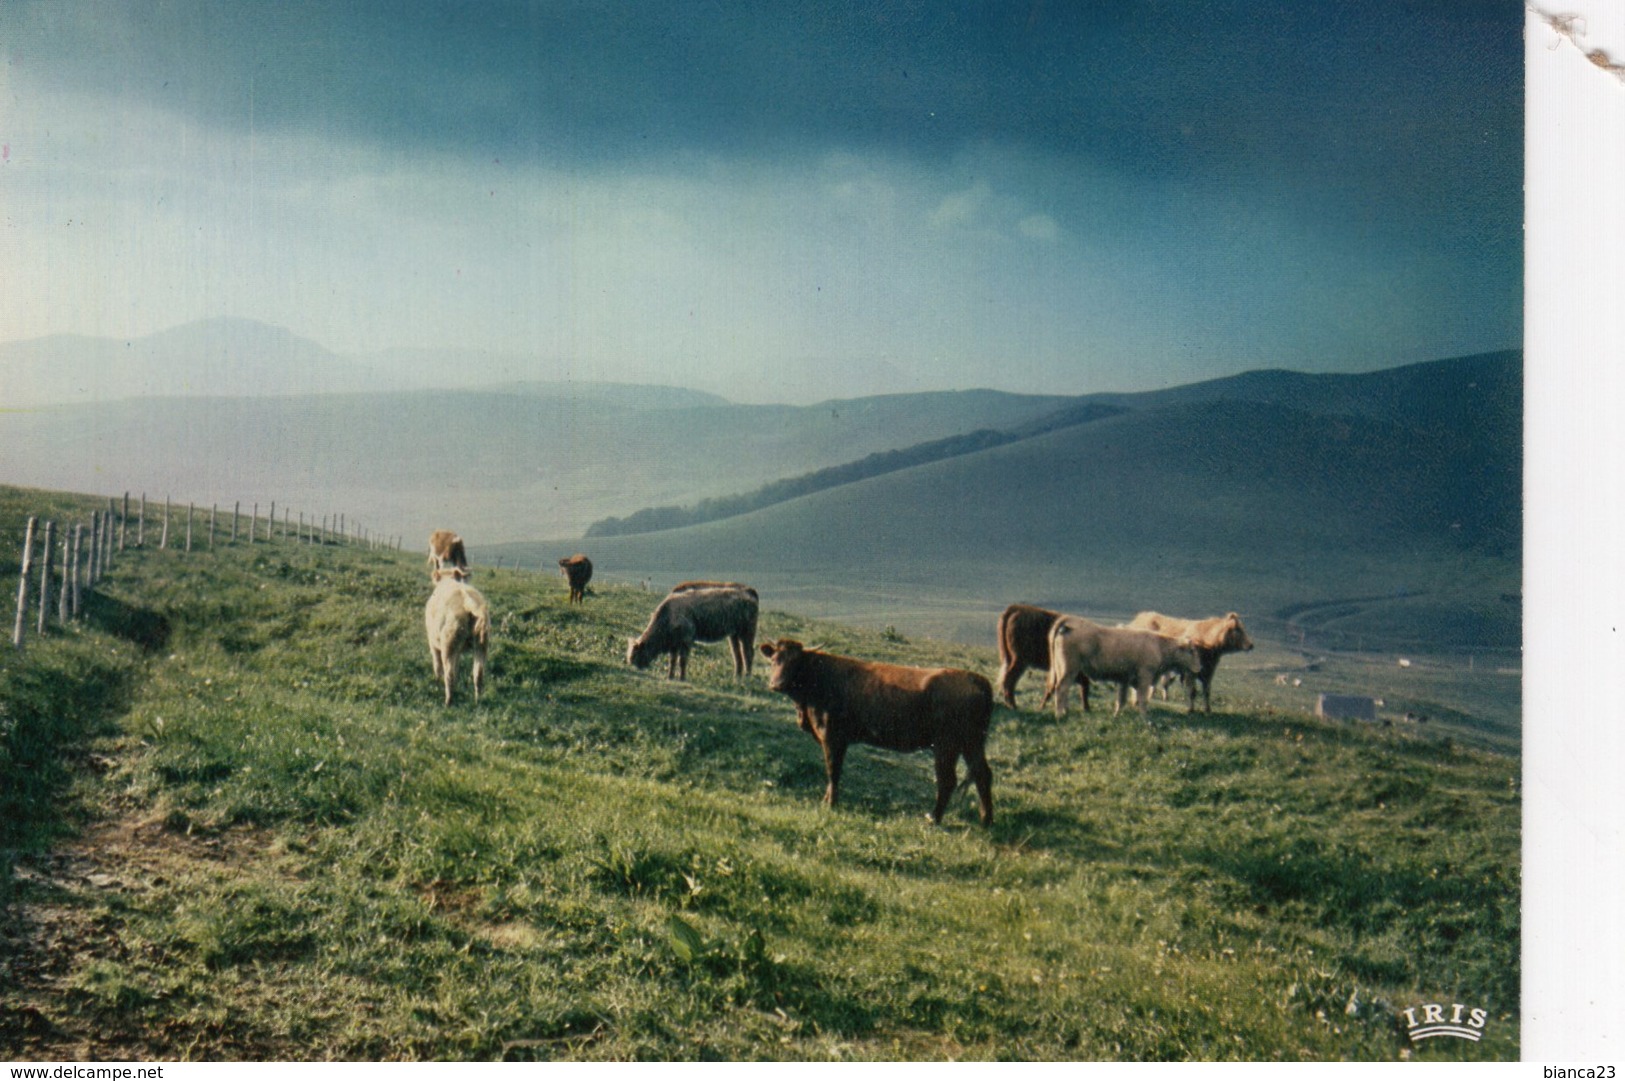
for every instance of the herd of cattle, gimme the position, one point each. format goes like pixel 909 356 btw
pixel 842 700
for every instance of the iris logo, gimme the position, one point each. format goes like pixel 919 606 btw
pixel 1462 1022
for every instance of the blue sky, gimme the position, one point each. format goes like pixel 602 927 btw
pixel 768 199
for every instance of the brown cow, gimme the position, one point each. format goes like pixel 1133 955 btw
pixel 697 615
pixel 456 618
pixel 446 550
pixel 1024 643
pixel 578 569
pixel 1213 638
pixel 842 700
pixel 1129 658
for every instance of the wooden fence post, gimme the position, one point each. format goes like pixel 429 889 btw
pixel 45 575
pixel 270 523
pixel 62 612
pixel 22 585
pixel 92 566
pixel 141 524
pixel 212 508
pixel 236 509
pixel 163 537
pixel 78 537
pixel 124 521
pixel 188 528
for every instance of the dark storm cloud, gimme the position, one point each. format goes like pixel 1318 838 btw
pixel 1185 184
pixel 1317 90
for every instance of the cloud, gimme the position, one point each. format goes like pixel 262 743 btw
pixel 1040 227
pixel 963 208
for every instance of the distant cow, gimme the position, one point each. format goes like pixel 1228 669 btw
pixel 578 569
pixel 1213 638
pixel 1024 643
pixel 446 550
pixel 841 701
pixel 698 615
pixel 456 618
pixel 1129 658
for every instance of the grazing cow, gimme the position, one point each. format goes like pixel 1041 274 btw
pixel 456 618
pixel 1213 638
pixel 578 569
pixel 446 550
pixel 1024 643
pixel 698 615
pixel 841 701
pixel 1129 658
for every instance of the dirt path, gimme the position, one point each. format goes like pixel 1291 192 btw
pixel 62 943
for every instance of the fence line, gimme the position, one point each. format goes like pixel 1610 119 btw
pixel 88 549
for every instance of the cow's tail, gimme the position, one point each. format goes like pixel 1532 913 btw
pixel 1007 655
pixel 482 625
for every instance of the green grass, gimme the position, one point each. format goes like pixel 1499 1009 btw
pixel 240 825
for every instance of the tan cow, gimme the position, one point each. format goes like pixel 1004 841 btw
pixel 446 550
pixel 577 569
pixel 1129 658
pixel 456 618
pixel 842 700
pixel 1213 638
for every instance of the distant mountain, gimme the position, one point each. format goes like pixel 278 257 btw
pixel 219 357
pixel 241 358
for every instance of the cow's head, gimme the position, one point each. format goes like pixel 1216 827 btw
pixel 1235 635
pixel 1185 657
pixel 639 654
pixel 785 654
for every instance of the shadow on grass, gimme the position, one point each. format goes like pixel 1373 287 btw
pixel 53 702
pixel 144 627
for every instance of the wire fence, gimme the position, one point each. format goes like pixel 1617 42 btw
pixel 63 561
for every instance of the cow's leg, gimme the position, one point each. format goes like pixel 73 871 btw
pixel 834 759
pixel 741 655
pixel 1083 691
pixel 434 659
pixel 671 665
pixel 1007 682
pixel 1057 688
pixel 682 662
pixel 976 763
pixel 1122 697
pixel 478 654
pixel 449 670
pixel 947 780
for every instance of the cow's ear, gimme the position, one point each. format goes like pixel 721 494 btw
pixel 768 650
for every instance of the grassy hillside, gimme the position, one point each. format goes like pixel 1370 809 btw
pixel 238 825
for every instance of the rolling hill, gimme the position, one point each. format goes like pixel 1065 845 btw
pixel 1396 526
pixel 517 463
pixel 1365 509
